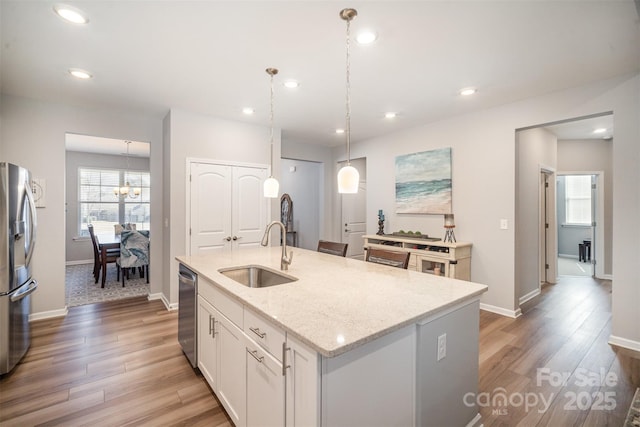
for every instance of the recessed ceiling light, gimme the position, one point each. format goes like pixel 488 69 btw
pixel 80 74
pixel 291 84
pixel 366 37
pixel 390 115
pixel 339 131
pixel 70 14
pixel 468 91
pixel 248 110
pixel 600 130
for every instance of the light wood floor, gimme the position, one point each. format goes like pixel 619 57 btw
pixel 119 363
pixel 564 330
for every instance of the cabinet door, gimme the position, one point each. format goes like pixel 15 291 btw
pixel 207 343
pixel 210 208
pixel 302 385
pixel 249 206
pixel 231 369
pixel 265 388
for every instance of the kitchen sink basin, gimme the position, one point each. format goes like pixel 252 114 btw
pixel 256 276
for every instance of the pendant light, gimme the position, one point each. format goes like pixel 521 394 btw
pixel 126 190
pixel 348 176
pixel 271 185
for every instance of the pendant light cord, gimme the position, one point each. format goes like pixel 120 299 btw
pixel 271 121
pixel 348 118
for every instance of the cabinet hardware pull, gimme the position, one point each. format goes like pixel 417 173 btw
pixel 210 325
pixel 254 353
pixel 257 332
pixel 284 359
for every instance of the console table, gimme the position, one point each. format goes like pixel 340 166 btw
pixel 451 260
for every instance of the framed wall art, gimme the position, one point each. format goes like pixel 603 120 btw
pixel 423 182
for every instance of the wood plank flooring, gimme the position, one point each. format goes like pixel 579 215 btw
pixel 119 363
pixel 108 364
pixel 556 357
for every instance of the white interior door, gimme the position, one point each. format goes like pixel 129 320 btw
pixel 354 221
pixel 210 203
pixel 249 206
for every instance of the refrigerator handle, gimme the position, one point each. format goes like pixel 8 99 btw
pixel 32 208
pixel 33 285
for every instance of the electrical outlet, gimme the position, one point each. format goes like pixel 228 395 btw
pixel 504 224
pixel 442 346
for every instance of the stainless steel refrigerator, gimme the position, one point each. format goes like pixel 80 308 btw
pixel 17 239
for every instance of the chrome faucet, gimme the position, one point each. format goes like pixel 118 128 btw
pixel 285 260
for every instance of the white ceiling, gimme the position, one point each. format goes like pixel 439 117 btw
pixel 97 144
pixel 209 57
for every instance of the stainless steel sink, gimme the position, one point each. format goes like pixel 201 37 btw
pixel 256 276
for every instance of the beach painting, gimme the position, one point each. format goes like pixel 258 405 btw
pixel 423 182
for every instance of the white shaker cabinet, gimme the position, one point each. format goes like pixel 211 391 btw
pixel 302 384
pixel 207 361
pixel 221 347
pixel 265 388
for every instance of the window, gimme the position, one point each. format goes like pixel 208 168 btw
pixel 99 205
pixel 578 199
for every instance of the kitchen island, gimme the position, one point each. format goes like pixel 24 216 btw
pixel 346 343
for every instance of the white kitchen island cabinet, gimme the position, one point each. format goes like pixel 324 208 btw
pixel 348 343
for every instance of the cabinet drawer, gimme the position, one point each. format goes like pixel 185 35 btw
pixel 231 308
pixel 263 332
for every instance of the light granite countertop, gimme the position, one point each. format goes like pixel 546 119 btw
pixel 336 304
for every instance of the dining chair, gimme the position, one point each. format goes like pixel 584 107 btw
pixel 386 257
pixel 134 252
pixel 102 257
pixel 333 248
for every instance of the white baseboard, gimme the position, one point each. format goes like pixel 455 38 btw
pixel 164 300
pixel 49 314
pixel 79 262
pixel 502 311
pixel 605 277
pixel 529 296
pixel 624 342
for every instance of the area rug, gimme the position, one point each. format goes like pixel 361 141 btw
pixel 633 416
pixel 81 289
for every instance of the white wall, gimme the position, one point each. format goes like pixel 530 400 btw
pixel 484 176
pixel 33 136
pixel 197 136
pixel 535 149
pixel 81 249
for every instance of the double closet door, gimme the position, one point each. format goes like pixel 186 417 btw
pixel 227 207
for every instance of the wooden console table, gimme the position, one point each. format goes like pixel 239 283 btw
pixel 451 260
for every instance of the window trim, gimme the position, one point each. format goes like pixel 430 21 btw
pixel 83 234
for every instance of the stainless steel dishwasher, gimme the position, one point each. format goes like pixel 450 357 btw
pixel 187 313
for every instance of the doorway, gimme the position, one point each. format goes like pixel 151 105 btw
pixel 95 167
pixel 303 181
pixel 577 201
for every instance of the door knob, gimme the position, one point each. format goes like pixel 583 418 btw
pixel 228 238
pixel 235 238
pixel 346 230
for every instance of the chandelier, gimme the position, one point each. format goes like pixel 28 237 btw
pixel 126 190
